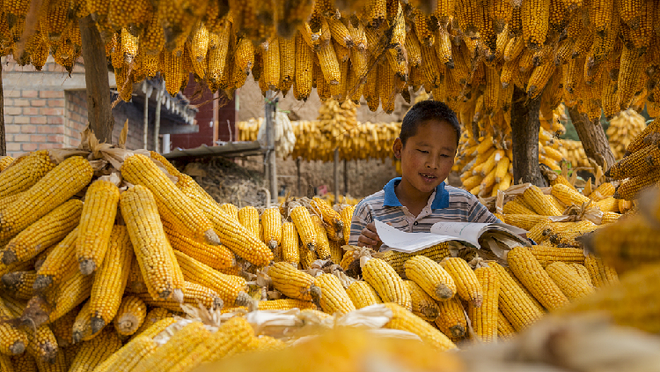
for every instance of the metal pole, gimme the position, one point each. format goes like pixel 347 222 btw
pixel 270 134
pixel 335 169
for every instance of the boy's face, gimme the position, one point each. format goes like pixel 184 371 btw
pixel 428 156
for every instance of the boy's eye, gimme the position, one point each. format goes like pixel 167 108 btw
pixel 423 151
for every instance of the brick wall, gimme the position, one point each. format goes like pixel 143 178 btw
pixel 76 117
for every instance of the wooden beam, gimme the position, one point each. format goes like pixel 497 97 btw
pixel 99 106
pixel 178 129
pixel 525 126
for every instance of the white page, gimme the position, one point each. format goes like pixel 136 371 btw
pixel 468 231
pixel 401 241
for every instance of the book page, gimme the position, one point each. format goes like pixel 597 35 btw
pixel 401 241
pixel 467 231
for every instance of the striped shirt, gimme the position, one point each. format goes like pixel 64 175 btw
pixel 446 203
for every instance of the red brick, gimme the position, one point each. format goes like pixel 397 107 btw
pixel 38 120
pixel 52 111
pixel 8 102
pixel 13 147
pixel 56 138
pixel 55 103
pixel 38 138
pixel 28 129
pixel 29 94
pixel 14 93
pixel 13 110
pixel 51 94
pixel 12 128
pixel 22 137
pixel 38 102
pixel 9 138
pixel 29 146
pixel 9 119
pixel 30 111
pixel 21 120
pixel 44 146
pixel 47 129
pixel 55 120
pixel 21 102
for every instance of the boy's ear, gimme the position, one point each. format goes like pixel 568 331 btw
pixel 397 148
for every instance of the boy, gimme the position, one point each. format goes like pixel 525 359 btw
pixel 426 147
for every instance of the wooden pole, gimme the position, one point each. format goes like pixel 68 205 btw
pixel 345 177
pixel 159 102
pixel 336 175
pixel 99 105
pixel 525 126
pixel 3 142
pixel 148 90
pixel 269 110
pixel 593 138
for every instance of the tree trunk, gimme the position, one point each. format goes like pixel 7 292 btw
pixel 525 125
pixel 592 136
pixel 99 106
pixel 3 142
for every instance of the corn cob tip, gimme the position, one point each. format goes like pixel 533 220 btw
pixel 12 281
pixel 443 291
pixel 316 294
pixel 17 348
pixel 42 282
pixel 9 257
pixel 272 244
pixel 218 303
pixel 36 312
pixel 244 299
pixel 87 266
pixel 97 324
pixel 211 237
pixel 77 336
pixel 311 247
pixel 177 295
pixel 457 331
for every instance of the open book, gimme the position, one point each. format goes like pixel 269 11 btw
pixel 464 232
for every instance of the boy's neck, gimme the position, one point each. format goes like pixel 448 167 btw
pixel 411 198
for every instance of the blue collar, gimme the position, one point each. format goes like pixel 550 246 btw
pixel 440 201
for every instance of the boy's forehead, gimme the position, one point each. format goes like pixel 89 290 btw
pixel 437 124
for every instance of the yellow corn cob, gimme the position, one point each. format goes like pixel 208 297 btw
pixel 524 221
pixel 290 244
pixel 216 256
pixel 331 218
pixel 127 357
pixel 5 162
pixel 582 271
pixel 336 251
pixel 505 330
pixel 362 294
pixel 13 341
pixel 422 304
pixel 404 320
pixel 467 284
pixel 71 293
pixel 413 49
pixel 293 283
pixel 271 220
pixel 59 264
pixel 451 319
pixel 228 287
pixel 42 345
pixel 387 283
pixel 568 280
pixel 517 306
pixel 340 33
pixel 601 275
pixel 304 226
pixel 334 298
pixel 642 139
pixel 82 326
pixel 130 315
pixel 302 85
pixel 271 55
pixel 24 173
pixel 193 294
pixel 536 199
pixel 286 304
pixel 248 216
pixel 431 276
pixel 157 320
pixel 20 363
pixel 346 216
pixel 6 201
pixel 329 64
pixel 63 328
pixel 322 244
pixel 58 364
pixel 530 272
pixel 604 191
pixel 182 343
pixel 539 231
pixel 56 187
pixel 152 249
pixel 267 343
pixel 568 195
pixel 20 283
pixel 233 337
pixel 398 259
pixel 630 189
pixel 173 204
pixel 307 257
pixel 98 216
pixel 43 233
pixel 547 255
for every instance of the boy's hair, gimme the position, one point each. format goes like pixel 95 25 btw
pixel 427 110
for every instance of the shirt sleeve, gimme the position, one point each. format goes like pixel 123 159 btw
pixel 361 218
pixel 479 212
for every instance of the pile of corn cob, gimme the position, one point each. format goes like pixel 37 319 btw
pixel 641 165
pixel 573 152
pixel 583 54
pixel 625 126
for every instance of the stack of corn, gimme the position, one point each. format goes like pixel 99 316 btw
pixel 336 120
pixel 372 50
pixel 625 126
pixel 640 168
pixel 574 153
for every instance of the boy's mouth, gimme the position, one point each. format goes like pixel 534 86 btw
pixel 428 177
